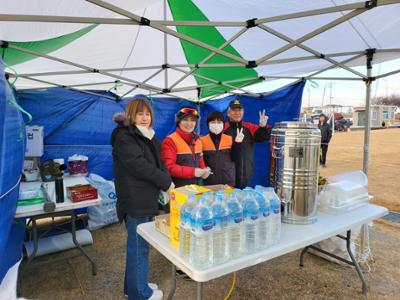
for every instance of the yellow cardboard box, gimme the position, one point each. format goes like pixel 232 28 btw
pixel 177 198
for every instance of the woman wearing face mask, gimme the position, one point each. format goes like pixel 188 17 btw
pixel 218 151
pixel 182 150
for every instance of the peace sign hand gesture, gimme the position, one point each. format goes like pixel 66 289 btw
pixel 263 118
pixel 239 135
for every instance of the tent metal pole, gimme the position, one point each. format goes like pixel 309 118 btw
pixel 214 81
pixel 312 51
pixel 310 35
pixel 234 65
pixel 166 30
pixel 333 66
pixel 228 42
pixel 119 21
pixel 91 70
pixel 65 19
pixel 387 74
pixel 67 87
pixel 367 132
pixel 316 78
pixel 165 48
pixel 321 11
pixel 144 81
pixel 90 84
pixel 84 71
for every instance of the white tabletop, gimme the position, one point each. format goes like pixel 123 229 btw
pixel 37 209
pixel 293 237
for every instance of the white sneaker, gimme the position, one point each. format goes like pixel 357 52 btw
pixel 153 286
pixel 157 295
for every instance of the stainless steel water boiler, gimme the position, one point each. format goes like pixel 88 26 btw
pixel 294 165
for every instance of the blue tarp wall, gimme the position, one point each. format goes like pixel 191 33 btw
pixel 75 122
pixel 80 123
pixel 12 145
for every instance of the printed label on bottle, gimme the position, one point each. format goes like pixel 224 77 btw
pixel 207 225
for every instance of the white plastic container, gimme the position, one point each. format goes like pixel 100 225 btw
pixel 340 197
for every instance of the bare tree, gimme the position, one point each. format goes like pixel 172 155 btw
pixel 393 99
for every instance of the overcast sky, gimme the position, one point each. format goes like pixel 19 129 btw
pixel 347 93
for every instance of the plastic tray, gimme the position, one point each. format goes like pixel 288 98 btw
pixel 351 204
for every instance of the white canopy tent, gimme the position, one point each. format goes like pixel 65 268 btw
pixel 195 49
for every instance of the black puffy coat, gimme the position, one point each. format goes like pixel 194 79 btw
pixel 326 131
pixel 139 172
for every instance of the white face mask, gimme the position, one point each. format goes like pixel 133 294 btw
pixel 216 128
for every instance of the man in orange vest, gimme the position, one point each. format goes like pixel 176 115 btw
pixel 219 151
pixel 182 151
pixel 249 134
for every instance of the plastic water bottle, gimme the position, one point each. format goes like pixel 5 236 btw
pixel 220 193
pixel 239 195
pixel 209 197
pixel 220 231
pixel 201 248
pixel 275 204
pixel 184 227
pixel 250 214
pixel 235 222
pixel 264 214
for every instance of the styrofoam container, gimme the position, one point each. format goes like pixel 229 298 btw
pixel 358 177
pixel 342 196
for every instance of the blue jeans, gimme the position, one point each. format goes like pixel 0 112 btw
pixel 137 261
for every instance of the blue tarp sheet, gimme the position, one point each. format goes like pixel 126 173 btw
pixel 76 122
pixel 12 149
pixel 80 123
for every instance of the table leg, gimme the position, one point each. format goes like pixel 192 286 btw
pixel 355 263
pixel 302 256
pixel 73 232
pixel 173 283
pixel 35 242
pixel 199 291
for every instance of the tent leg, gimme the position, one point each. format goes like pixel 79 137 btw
pixel 370 54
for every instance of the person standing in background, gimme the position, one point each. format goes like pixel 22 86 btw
pixel 249 134
pixel 140 175
pixel 219 151
pixel 326 135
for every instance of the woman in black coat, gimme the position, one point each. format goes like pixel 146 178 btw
pixel 326 135
pixel 140 176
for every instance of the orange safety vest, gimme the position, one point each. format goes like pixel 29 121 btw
pixel 185 157
pixel 219 160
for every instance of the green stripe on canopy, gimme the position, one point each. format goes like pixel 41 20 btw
pixel 184 10
pixel 12 57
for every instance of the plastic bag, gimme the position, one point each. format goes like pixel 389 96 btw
pixel 104 213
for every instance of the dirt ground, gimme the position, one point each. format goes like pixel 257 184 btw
pixel 345 153
pixel 280 278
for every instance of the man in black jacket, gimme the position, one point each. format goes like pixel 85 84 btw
pixel 247 134
pixel 326 135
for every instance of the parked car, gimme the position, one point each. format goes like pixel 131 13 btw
pixel 343 123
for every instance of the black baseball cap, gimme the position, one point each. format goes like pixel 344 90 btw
pixel 235 104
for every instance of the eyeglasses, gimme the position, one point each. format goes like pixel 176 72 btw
pixel 190 111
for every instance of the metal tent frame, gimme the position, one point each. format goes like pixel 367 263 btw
pixel 348 11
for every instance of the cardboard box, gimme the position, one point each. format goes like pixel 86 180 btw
pixel 162 224
pixel 81 192
pixel 34 141
pixel 177 199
